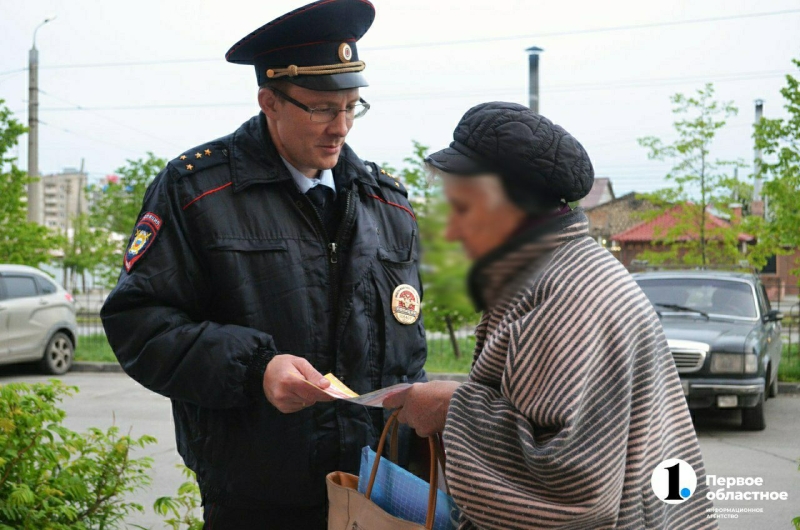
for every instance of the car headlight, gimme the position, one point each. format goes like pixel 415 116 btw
pixel 733 363
pixel 750 364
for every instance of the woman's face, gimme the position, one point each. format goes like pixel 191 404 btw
pixel 481 217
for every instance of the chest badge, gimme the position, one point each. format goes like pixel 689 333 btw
pixel 405 304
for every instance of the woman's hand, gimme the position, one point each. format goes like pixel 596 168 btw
pixel 424 406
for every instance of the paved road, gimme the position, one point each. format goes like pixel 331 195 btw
pixel 728 451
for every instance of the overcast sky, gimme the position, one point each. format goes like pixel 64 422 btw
pixel 428 61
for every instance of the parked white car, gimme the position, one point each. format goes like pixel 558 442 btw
pixel 37 320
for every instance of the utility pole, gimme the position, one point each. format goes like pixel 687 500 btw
pixel 34 188
pixel 533 78
pixel 757 154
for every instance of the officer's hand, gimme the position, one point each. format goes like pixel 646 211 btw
pixel 424 406
pixel 285 384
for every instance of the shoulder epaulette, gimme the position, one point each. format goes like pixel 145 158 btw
pixel 200 158
pixel 387 179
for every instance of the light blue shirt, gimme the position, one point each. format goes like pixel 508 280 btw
pixel 304 183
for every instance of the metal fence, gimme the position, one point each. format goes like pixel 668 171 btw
pixel 791 322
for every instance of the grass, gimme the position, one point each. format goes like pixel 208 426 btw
pixel 94 348
pixel 789 369
pixel 442 359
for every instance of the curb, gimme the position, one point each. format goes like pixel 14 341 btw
pixel 461 378
pixel 788 388
pixel 83 366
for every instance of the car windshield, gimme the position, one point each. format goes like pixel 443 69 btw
pixel 706 295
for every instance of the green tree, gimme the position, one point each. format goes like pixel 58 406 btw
pixel 117 207
pixel 444 266
pixel 87 250
pixel 700 183
pixel 21 242
pixel 779 140
pixel 54 478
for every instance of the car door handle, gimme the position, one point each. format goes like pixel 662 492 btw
pixel 43 302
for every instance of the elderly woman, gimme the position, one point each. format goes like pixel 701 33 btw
pixel 573 400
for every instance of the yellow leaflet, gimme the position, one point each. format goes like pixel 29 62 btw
pixel 338 385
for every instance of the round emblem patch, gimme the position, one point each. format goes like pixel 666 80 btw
pixel 345 52
pixel 405 304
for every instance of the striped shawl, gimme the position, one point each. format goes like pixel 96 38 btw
pixel 573 398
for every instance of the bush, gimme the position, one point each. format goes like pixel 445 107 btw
pixel 53 478
pixel 179 511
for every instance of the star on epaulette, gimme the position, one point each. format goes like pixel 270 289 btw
pixel 202 158
pixel 396 180
pixel 385 178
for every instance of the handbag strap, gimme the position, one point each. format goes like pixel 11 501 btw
pixel 393 423
pixel 439 445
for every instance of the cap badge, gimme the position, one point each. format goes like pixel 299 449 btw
pixel 405 304
pixel 345 52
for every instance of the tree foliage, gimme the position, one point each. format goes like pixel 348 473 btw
pixel 779 140
pixel 117 207
pixel 54 478
pixel 86 250
pixel 700 184
pixel 21 242
pixel 444 266
pixel 118 202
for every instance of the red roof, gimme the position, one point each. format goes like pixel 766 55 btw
pixel 657 228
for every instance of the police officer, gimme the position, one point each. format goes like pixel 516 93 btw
pixel 264 259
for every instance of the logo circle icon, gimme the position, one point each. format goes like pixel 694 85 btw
pixel 345 52
pixel 673 481
pixel 405 304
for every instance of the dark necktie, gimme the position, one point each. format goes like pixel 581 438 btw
pixel 323 199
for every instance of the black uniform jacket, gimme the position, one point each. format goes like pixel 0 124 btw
pixel 236 265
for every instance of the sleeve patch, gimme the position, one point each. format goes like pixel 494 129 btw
pixel 144 234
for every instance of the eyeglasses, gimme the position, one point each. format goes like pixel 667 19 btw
pixel 327 114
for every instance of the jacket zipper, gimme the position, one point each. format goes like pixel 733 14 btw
pixel 333 261
pixel 333 257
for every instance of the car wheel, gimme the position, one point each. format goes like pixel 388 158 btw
pixel 753 417
pixel 773 386
pixel 58 355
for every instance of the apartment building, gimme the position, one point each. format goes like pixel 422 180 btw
pixel 64 196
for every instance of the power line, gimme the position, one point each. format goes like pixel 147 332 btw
pixel 590 30
pixel 115 122
pixel 10 72
pixel 128 149
pixel 614 85
pixel 432 44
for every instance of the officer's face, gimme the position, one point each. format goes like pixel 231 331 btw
pixel 309 146
pixel 481 217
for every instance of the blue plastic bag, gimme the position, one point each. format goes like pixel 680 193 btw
pixel 404 495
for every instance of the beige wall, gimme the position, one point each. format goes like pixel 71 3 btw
pixel 64 196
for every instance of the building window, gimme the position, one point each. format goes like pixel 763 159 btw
pixel 772 265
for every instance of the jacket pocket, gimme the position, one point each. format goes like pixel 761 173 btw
pixel 258 283
pixel 248 245
pixel 401 333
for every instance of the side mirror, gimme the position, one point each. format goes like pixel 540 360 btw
pixel 773 316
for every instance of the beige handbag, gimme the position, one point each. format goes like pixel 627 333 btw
pixel 350 510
